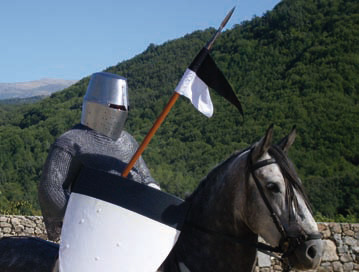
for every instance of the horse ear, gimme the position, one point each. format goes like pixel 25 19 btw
pixel 263 145
pixel 288 140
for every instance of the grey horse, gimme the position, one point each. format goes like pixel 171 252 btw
pixel 254 192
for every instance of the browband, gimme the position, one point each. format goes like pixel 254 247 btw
pixel 261 164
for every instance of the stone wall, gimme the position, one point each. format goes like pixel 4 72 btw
pixel 341 242
pixel 22 226
pixel 341 249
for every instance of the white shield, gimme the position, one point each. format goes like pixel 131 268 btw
pixel 114 224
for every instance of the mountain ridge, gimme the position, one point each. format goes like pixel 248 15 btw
pixel 41 87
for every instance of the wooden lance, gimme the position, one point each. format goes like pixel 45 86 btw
pixel 169 105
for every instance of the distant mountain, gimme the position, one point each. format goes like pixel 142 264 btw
pixel 40 87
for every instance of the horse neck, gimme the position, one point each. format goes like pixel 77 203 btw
pixel 211 221
pixel 213 204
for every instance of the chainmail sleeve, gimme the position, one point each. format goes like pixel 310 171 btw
pixel 59 171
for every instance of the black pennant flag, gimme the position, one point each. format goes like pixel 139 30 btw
pixel 201 74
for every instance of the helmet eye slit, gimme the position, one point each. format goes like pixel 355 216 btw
pixel 118 107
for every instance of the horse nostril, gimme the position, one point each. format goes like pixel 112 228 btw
pixel 312 252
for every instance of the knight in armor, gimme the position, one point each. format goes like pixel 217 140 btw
pixel 98 142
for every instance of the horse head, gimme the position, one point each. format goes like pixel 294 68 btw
pixel 273 204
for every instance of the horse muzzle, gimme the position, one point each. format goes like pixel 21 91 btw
pixel 307 254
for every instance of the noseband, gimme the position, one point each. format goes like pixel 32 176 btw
pixel 288 242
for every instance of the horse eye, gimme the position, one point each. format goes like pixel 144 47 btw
pixel 273 187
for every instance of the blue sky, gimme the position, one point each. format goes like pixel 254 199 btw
pixel 71 39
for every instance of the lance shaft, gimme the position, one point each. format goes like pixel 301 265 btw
pixel 169 106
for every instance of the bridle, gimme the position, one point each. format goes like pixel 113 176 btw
pixel 288 242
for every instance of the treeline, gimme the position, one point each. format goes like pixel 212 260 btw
pixel 21 101
pixel 297 64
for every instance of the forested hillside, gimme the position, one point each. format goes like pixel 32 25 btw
pixel 296 65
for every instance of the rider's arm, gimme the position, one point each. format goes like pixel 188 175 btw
pixel 54 188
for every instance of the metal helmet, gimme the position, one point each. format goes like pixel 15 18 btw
pixel 105 105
